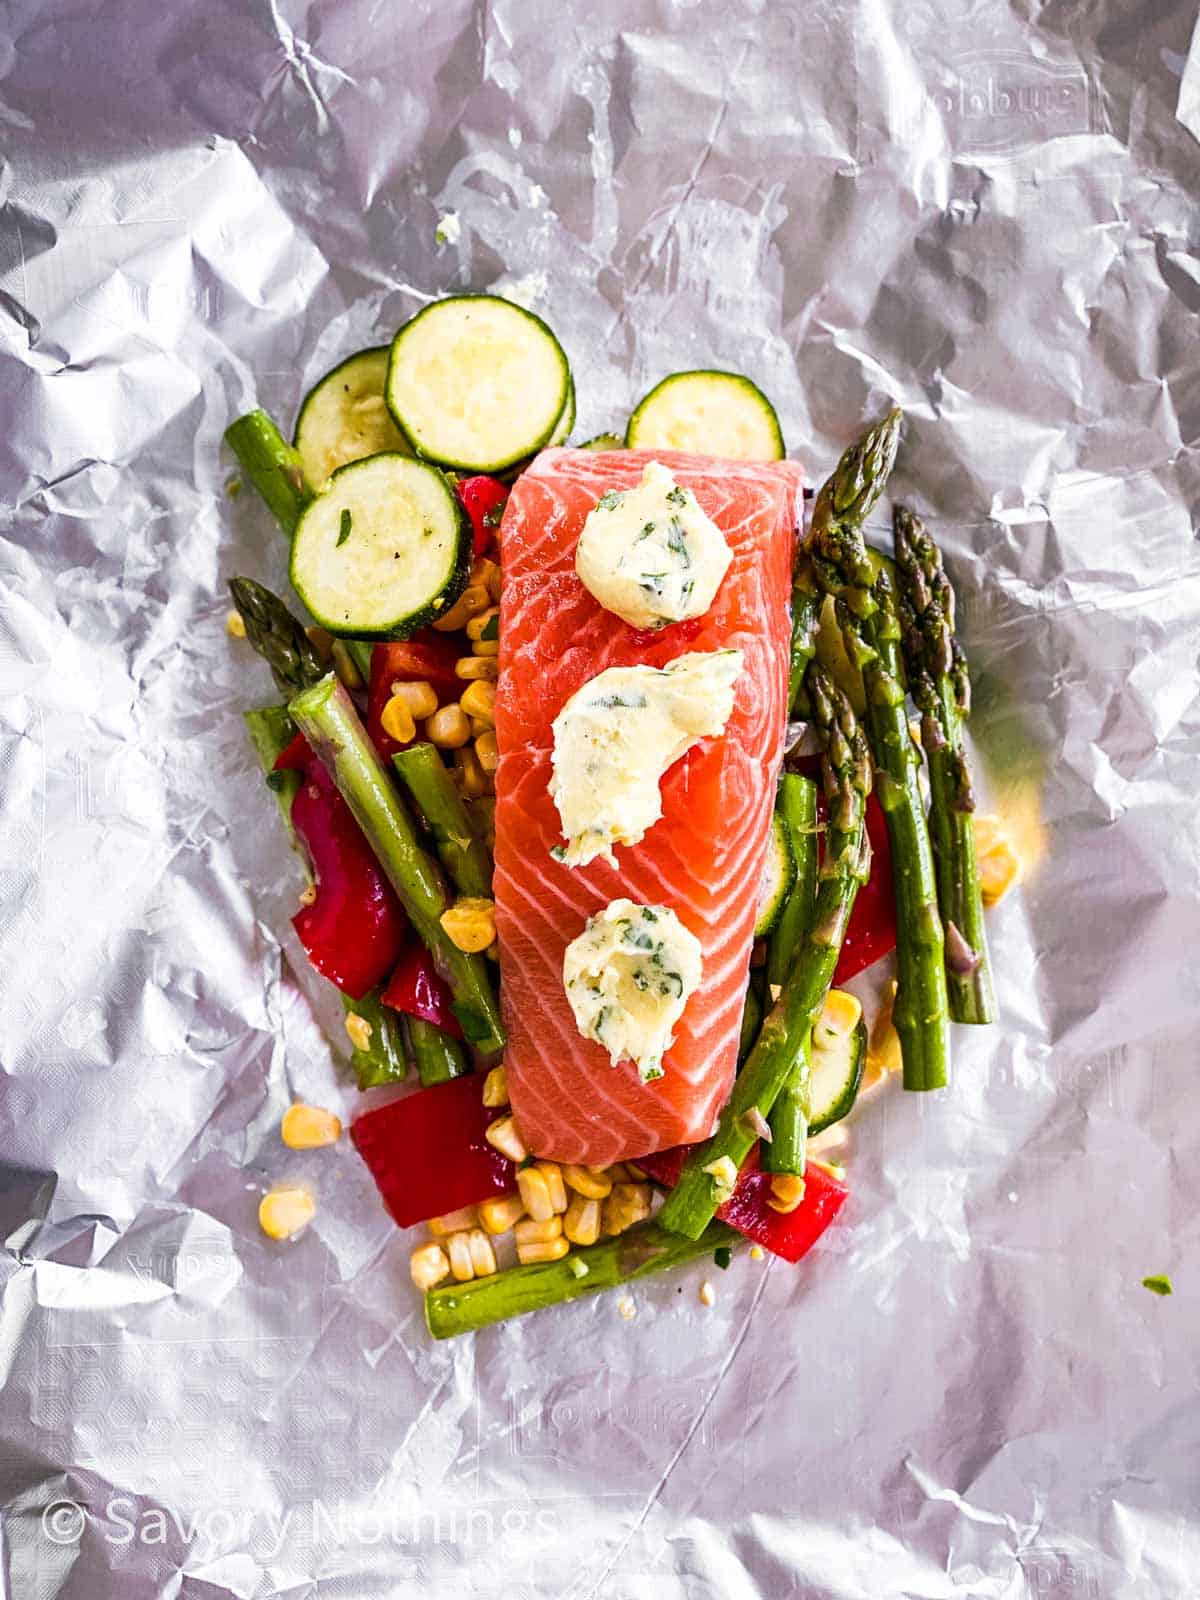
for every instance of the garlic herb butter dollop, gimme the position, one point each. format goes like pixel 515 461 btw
pixel 616 737
pixel 650 554
pixel 628 977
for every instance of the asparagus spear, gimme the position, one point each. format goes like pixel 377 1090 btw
pixel 846 772
pixel 275 470
pixel 271 730
pixel 784 1152
pixel 937 678
pixel 866 611
pixel 326 716
pixel 468 866
pixel 277 635
pixel 272 465
pixel 461 1307
pixel 806 618
pixel 461 853
pixel 438 1057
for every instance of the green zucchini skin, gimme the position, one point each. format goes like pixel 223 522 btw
pixel 834 1092
pixel 413 402
pixel 353 606
pixel 684 412
pixel 779 874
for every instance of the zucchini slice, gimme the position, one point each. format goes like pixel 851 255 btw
pixel 709 414
pixel 562 428
pixel 345 417
pixel 477 383
pixel 837 1070
pixel 604 441
pixel 383 549
pixel 779 874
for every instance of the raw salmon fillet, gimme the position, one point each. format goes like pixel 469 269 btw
pixel 703 858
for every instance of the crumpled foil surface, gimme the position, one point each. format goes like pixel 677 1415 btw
pixel 986 213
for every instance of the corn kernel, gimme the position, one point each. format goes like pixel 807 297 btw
pixel 535 1192
pixel 483 1257
pixel 398 721
pixel 997 859
pixel 587 1182
pixel 234 626
pixel 552 1172
pixel 473 780
pixel 581 1224
pixel 453 1222
pixel 479 700
pixel 477 625
pixel 475 667
pixel 627 1308
pixel 551 1250
pixel 495 1087
pixel 502 1135
pixel 628 1203
pixel 486 573
pixel 308 895
pixel 428 1266
pixel 309 1127
pixel 359 1030
pixel 500 1214
pixel 787 1191
pixel 487 648
pixel 536 1230
pixel 344 665
pixel 284 1211
pixel 448 728
pixel 839 1017
pixel 470 924
pixel 458 1249
pixel 724 1174
pixel 617 1173
pixel 757 1253
pixel 708 1295
pixel 419 696
pixel 470 603
pixel 487 751
pixel 883 1049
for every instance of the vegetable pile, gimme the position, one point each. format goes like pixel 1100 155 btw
pixel 382 758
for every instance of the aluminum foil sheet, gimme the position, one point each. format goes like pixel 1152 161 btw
pixel 986 213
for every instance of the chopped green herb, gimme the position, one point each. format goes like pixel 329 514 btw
pixel 677 541
pixel 610 500
pixel 647 530
pixel 494 517
pixel 344 527
pixel 677 496
pixel 1159 1283
pixel 722 1255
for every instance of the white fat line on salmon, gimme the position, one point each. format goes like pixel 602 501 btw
pixel 617 736
pixel 628 977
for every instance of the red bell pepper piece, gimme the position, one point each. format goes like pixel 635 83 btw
pixel 354 930
pixel 427 1152
pixel 871 931
pixel 483 499
pixel 789 1234
pixel 416 989
pixel 430 659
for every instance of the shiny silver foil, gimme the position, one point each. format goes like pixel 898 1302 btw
pixel 985 213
